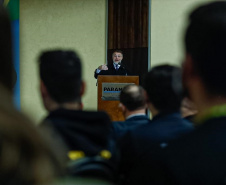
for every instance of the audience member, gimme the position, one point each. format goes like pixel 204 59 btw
pixel 25 158
pixel 199 158
pixel 84 133
pixel 116 68
pixel 133 106
pixel 164 96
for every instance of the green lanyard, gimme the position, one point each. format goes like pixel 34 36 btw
pixel 213 112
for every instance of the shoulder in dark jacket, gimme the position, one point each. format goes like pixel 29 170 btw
pixel 121 127
pixel 140 146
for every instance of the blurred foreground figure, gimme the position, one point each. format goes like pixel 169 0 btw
pixel 24 157
pixel 200 157
pixel 7 72
pixel 81 136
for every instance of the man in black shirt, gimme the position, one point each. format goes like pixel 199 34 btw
pixel 83 133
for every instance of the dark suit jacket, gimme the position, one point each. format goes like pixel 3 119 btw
pixel 197 159
pixel 140 145
pixel 121 127
pixel 112 71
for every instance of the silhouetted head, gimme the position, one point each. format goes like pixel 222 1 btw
pixel 133 98
pixel 205 42
pixel 164 87
pixel 61 73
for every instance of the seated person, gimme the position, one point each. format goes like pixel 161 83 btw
pixel 84 133
pixel 117 68
pixel 164 95
pixel 199 157
pixel 133 106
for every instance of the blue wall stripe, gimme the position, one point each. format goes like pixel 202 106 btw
pixel 16 58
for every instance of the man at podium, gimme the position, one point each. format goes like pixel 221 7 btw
pixel 116 68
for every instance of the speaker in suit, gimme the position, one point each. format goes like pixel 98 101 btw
pixel 112 71
pixel 116 68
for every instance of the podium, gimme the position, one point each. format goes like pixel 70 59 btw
pixel 109 88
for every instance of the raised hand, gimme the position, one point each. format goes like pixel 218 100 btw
pixel 103 67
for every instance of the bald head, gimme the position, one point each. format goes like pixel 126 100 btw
pixel 132 97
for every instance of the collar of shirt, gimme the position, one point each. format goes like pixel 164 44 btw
pixel 115 65
pixel 133 115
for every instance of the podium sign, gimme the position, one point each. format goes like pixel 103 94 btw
pixel 111 91
pixel 109 88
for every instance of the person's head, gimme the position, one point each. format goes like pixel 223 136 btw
pixel 164 88
pixel 117 56
pixel 25 158
pixel 132 98
pixel 205 45
pixel 61 77
pixel 7 73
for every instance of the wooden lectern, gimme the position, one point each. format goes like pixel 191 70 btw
pixel 109 88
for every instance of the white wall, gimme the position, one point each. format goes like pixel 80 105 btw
pixel 168 21
pixel 75 24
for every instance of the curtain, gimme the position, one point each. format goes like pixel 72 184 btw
pixel 128 31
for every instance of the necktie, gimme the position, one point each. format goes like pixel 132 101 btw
pixel 116 67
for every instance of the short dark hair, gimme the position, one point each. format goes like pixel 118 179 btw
pixel 117 51
pixel 163 85
pixel 61 73
pixel 7 73
pixel 205 41
pixel 132 96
